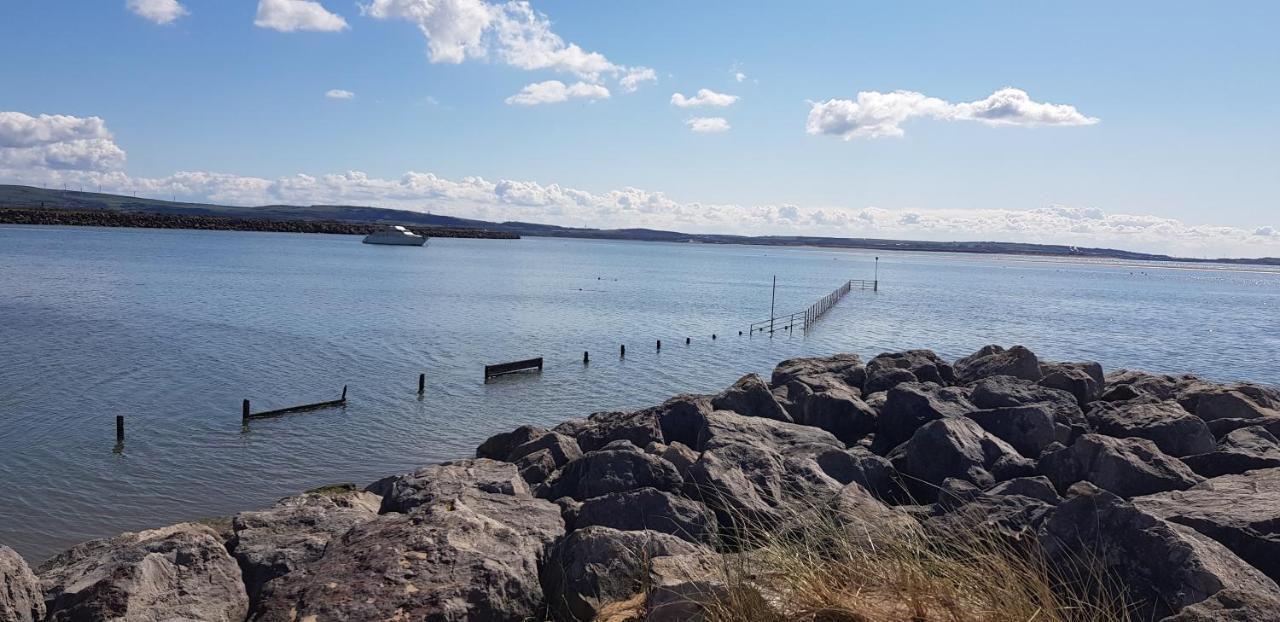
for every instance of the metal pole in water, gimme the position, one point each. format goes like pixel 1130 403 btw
pixel 876 286
pixel 422 383
pixel 622 353
pixel 245 409
pixel 119 428
pixel 773 297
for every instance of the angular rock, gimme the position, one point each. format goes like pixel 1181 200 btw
pixel 1127 467
pixel 1164 567
pixel 649 509
pixel 1084 381
pixel 474 556
pixel 893 368
pixel 680 456
pixel 1231 605
pixel 993 360
pixel 1009 392
pixel 857 465
pixel 274 542
pixel 721 428
pixel 540 457
pixel 594 566
pixel 452 480
pixel 618 467
pixel 821 373
pixel 499 446
pixel 1241 450
pixel 1029 429
pixel 840 412
pixel 1240 511
pixel 1014 518
pixel 956 447
pixel 179 572
pixel 751 397
pixel 682 418
pixel 1223 427
pixel 682 588
pixel 1126 385
pixel 1174 430
pixel 536 467
pixel 1242 401
pixel 911 405
pixel 20 597
pixel 1038 487
pixel 640 428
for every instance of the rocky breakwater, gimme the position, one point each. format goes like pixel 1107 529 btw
pixel 1169 485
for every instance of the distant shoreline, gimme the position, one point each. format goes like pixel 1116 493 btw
pixel 102 218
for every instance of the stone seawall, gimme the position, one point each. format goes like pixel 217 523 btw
pixel 1170 482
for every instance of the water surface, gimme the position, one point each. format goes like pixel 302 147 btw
pixel 172 329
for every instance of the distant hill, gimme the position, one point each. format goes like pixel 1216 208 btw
pixel 28 197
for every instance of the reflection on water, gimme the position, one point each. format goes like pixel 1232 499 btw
pixel 172 329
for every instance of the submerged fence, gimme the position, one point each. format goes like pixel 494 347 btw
pixel 805 319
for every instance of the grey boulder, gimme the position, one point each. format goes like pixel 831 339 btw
pixel 1029 429
pixel 1084 381
pixel 179 572
pixel 993 360
pixel 451 480
pixel 1239 451
pixel 910 405
pixel 840 412
pixel 1240 511
pixel 751 397
pixel 1174 430
pixel 619 466
pixel 20 597
pixel 893 368
pixel 958 448
pixel 649 509
pixel 1127 467
pixel 1243 401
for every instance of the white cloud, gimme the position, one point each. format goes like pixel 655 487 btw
pixel 708 125
pixel 705 97
pixel 875 114
pixel 555 91
pixel 296 15
pixel 339 94
pixel 637 76
pixel 739 76
pixel 57 142
pixel 158 11
pixel 511 32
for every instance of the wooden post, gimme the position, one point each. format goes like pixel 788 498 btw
pixel 422 384
pixel 659 345
pixel 245 409
pixel 688 340
pixel 586 357
pixel 119 428
pixel 713 336
pixel 622 352
pixel 344 392
pixel 773 296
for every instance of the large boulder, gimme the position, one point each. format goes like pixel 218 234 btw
pixel 751 397
pixel 1010 392
pixel 451 480
pixel 1239 451
pixel 1017 361
pixel 1014 518
pixel 499 446
pixel 619 466
pixel 274 542
pixel 1029 429
pixel 841 412
pixel 1242 401
pixel 956 447
pixel 471 556
pixel 1084 381
pixel 540 457
pixel 649 509
pixel 1174 430
pixel 1231 605
pixel 821 373
pixel 1127 467
pixel 1223 427
pixel 682 418
pixel 20 597
pixel 594 566
pixel 721 428
pixel 893 368
pixel 1240 511
pixel 179 572
pixel 1126 385
pixel 640 428
pixel 911 405
pixel 1163 566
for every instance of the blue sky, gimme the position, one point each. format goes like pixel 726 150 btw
pixel 1169 143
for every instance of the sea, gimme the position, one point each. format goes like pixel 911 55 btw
pixel 173 329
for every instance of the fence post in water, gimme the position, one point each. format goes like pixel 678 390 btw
pixel 622 352
pixel 659 345
pixel 245 409
pixel 422 383
pixel 586 357
pixel 344 392
pixel 687 340
pixel 119 428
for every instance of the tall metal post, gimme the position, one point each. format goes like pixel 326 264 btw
pixel 773 297
pixel 875 287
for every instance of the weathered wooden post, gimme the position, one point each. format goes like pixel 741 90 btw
pixel 659 345
pixel 622 352
pixel 688 340
pixel 245 409
pixel 422 384
pixel 586 357
pixel 344 393
pixel 119 428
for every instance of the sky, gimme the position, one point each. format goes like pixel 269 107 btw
pixel 1142 125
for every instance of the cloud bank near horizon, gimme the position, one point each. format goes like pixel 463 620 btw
pixel 54 150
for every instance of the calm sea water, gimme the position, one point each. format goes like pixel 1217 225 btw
pixel 172 329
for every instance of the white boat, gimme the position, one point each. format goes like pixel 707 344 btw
pixel 396 236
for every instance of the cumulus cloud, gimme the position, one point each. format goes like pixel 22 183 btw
pixel 707 125
pixel 512 33
pixel 637 76
pixel 874 114
pixel 704 97
pixel 297 15
pixel 555 91
pixel 57 142
pixel 339 94
pixel 158 11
